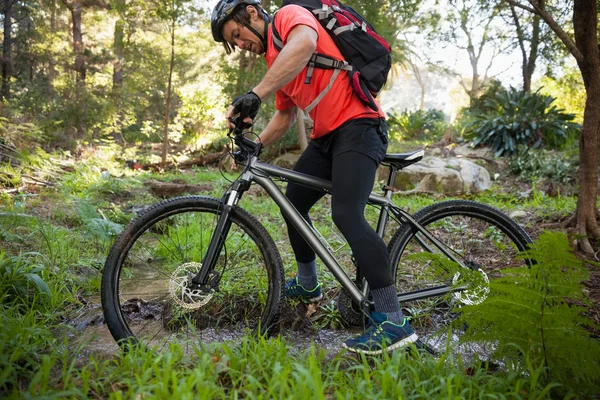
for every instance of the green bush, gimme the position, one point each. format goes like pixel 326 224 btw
pixel 540 311
pixel 537 164
pixel 509 117
pixel 416 124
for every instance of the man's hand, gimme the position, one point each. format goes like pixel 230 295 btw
pixel 246 106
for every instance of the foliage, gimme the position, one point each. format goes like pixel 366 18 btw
pixel 540 311
pixel 567 89
pixel 416 124
pixel 511 118
pixel 531 164
pixel 20 134
pixel 21 279
pixel 40 357
pixel 329 316
pixel 268 368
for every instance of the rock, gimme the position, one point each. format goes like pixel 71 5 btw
pixel 288 160
pixel 483 156
pixel 448 176
pixel 518 214
pixel 466 150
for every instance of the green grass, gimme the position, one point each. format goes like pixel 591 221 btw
pixel 261 368
pixel 63 234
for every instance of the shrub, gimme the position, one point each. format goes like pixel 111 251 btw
pixel 19 134
pixel 541 163
pixel 510 117
pixel 540 311
pixel 416 124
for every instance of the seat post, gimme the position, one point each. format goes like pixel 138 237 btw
pixel 388 191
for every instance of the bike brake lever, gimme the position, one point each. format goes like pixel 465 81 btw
pixel 240 125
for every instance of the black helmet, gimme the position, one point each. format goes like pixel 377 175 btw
pixel 221 13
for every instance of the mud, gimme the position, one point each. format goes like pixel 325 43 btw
pixel 90 336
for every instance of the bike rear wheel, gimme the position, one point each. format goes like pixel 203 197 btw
pixel 481 237
pixel 145 297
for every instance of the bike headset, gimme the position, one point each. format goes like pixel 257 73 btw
pixel 223 12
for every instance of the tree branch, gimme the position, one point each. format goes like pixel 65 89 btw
pixel 519 5
pixel 540 9
pixel 484 38
pixel 520 34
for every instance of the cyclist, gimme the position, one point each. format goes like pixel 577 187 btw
pixel 348 142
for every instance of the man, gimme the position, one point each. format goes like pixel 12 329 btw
pixel 349 140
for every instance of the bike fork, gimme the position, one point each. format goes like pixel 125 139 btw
pixel 230 199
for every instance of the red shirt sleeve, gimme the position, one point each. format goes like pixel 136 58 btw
pixel 283 101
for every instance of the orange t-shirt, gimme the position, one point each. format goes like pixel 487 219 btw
pixel 341 103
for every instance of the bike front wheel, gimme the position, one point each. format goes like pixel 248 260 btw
pixel 146 298
pixel 483 238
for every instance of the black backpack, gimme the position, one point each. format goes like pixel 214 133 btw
pixel 368 58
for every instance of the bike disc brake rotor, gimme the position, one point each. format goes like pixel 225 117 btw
pixel 189 298
pixel 475 292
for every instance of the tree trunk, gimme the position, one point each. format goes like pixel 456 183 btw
pixel 80 68
pixel 51 66
pixel 585 26
pixel 6 50
pixel 529 66
pixel 528 63
pixel 588 170
pixel 165 148
pixel 29 28
pixel 118 63
pixel 119 53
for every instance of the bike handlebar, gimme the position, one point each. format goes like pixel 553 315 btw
pixel 246 145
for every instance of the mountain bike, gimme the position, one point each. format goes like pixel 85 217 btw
pixel 197 269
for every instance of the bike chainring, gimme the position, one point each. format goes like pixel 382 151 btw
pixel 185 294
pixel 475 292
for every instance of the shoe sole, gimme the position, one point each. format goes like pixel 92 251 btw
pixel 307 299
pixel 404 342
pixel 315 299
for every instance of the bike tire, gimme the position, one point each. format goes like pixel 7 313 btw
pixel 143 297
pixel 484 238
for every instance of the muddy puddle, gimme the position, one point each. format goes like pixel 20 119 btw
pixel 89 335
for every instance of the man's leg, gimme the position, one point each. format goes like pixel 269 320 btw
pixel 312 162
pixel 353 177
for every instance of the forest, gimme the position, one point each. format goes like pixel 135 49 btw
pixel 112 111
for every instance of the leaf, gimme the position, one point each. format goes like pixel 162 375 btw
pixel 40 283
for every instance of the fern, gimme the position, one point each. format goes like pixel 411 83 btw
pixel 539 310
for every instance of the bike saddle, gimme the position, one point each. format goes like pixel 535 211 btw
pixel 403 160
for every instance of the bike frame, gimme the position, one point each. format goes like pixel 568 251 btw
pixel 263 174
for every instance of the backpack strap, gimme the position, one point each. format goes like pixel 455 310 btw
pixel 317 60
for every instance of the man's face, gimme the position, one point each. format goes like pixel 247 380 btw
pixel 240 36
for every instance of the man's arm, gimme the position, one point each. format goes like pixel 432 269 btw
pixel 278 125
pixel 301 44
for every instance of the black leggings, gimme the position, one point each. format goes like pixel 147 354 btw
pixel 352 174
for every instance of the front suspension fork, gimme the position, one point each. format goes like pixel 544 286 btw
pixel 229 200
